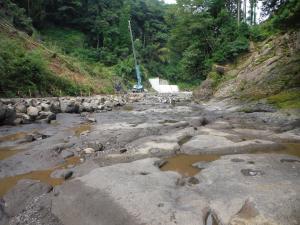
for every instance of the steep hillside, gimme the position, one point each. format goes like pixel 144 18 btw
pixel 44 71
pixel 270 70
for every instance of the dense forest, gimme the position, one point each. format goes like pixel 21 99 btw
pixel 179 42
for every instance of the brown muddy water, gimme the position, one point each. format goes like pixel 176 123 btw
pixel 288 148
pixel 42 175
pixel 6 152
pixel 183 163
pixel 81 128
pixel 13 137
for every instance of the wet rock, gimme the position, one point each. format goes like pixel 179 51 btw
pixel 66 154
pixel 25 190
pixel 62 174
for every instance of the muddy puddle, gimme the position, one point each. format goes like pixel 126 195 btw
pixel 13 137
pixel 6 152
pixel 288 148
pixel 42 175
pixel 183 163
pixel 81 128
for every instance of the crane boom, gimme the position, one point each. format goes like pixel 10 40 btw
pixel 138 87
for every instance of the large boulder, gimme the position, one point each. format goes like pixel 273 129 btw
pixel 21 107
pixel 33 112
pixel 69 106
pixel 7 114
pixel 55 107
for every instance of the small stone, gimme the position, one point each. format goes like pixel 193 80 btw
pixel 29 138
pixel 68 175
pixel 89 151
pixel 251 173
pixel 82 160
pixel 97 146
pixel 123 150
pixel 91 120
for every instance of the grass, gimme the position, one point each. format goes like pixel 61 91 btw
pixel 289 99
pixel 47 71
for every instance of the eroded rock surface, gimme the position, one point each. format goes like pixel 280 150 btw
pixel 103 157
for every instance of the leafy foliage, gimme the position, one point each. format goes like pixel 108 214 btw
pixel 178 42
pixel 205 32
pixel 25 73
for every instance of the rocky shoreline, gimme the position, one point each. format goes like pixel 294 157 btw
pixel 27 110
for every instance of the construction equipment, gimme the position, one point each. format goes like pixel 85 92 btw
pixel 137 87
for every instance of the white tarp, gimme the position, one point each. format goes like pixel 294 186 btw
pixel 162 86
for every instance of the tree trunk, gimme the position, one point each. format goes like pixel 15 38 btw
pixel 238 12
pixel 245 11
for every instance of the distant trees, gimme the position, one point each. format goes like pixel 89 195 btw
pixel 205 32
pixel 179 42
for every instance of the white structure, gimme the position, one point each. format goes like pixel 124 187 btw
pixel 162 86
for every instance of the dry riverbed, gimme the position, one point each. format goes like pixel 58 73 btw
pixel 156 160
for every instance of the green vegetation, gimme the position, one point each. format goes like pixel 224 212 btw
pixel 25 73
pixel 286 100
pixel 91 40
